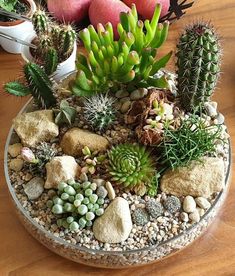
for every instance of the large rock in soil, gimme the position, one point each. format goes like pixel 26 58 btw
pixel 75 139
pixel 115 224
pixel 35 127
pixel 198 179
pixel 59 169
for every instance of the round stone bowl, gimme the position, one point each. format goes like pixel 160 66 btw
pixel 111 259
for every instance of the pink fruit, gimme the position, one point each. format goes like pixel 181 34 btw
pixel 69 10
pixel 104 11
pixel 146 8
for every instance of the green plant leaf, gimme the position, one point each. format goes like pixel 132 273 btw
pixel 17 89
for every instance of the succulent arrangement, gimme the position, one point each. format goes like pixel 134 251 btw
pixel 131 60
pixel 120 127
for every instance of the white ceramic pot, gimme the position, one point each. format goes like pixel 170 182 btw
pixel 63 68
pixel 18 29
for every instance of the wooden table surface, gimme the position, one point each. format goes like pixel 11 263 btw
pixel 212 254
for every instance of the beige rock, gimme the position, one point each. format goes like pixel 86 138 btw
pixel 61 168
pixel 115 224
pixel 110 189
pixel 203 203
pixel 34 188
pixel 35 127
pixel 16 164
pixel 75 139
pixel 198 179
pixel 195 216
pixel 15 149
pixel 189 204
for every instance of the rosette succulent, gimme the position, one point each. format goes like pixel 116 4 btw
pixel 132 167
pixel 131 60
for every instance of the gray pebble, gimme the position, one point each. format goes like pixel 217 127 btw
pixel 139 94
pixel 172 204
pixel 210 110
pixel 34 188
pixel 101 192
pixel 220 119
pixel 140 217
pixel 99 181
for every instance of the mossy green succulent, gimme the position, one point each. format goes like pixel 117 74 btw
pixel 131 166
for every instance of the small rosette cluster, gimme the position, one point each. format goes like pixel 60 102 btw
pixel 132 167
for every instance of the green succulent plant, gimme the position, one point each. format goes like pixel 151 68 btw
pixel 198 63
pixel 99 111
pixel 131 166
pixel 131 60
pixel 191 141
pixel 40 22
pixel 51 61
pixel 66 114
pixel 38 84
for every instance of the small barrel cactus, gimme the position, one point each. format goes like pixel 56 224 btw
pixel 198 63
pixel 40 22
pixel 45 43
pixel 99 111
pixel 140 217
pixel 132 167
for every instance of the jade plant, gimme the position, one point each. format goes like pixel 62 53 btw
pixel 99 111
pixel 198 63
pixel 132 167
pixel 78 202
pixel 37 83
pixel 131 60
pixel 55 42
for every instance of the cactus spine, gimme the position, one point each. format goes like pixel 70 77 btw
pixel 51 61
pixel 40 22
pixel 45 44
pixel 198 63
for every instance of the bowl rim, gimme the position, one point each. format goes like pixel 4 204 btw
pixel 100 251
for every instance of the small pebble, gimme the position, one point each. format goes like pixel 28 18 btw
pixel 195 217
pixel 101 192
pixel 184 217
pixel 203 203
pixel 16 164
pixel 201 211
pixel 121 94
pixel 111 192
pixel 15 149
pixel 125 106
pixel 189 204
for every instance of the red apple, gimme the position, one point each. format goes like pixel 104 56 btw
pixel 104 11
pixel 146 8
pixel 69 10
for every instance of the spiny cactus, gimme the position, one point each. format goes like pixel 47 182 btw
pixel 45 43
pixel 198 62
pixel 66 114
pixel 40 22
pixel 67 37
pixel 43 154
pixel 99 111
pixel 38 84
pixel 51 61
pixel 131 60
pixel 132 167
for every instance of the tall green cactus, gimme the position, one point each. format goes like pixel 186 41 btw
pixel 38 84
pixel 40 22
pixel 198 63
pixel 131 60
